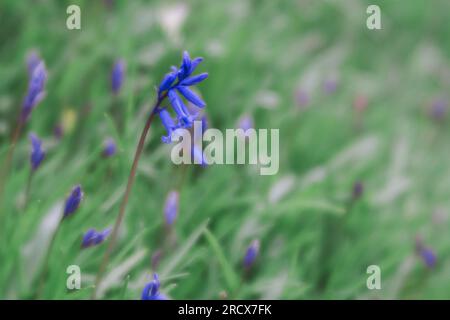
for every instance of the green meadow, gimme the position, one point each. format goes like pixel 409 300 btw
pixel 355 108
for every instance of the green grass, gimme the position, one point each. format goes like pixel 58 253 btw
pixel 312 245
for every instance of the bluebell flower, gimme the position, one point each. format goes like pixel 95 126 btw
pixel 117 76
pixel 251 254
pixel 151 290
pixel 426 254
pixel 438 109
pixel 35 92
pixel 73 201
pixel 171 207
pixel 37 153
pixel 109 147
pixel 358 190
pixel 177 83
pixel 428 257
pixel 92 237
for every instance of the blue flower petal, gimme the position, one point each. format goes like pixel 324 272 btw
pixel 191 96
pixel 194 79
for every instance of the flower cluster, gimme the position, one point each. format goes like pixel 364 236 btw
pixel 73 201
pixel 151 290
pixel 37 153
pixel 178 82
pixel 35 92
pixel 92 237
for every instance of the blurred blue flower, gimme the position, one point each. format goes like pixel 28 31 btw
pixel 109 147
pixel 92 237
pixel 37 153
pixel 73 201
pixel 33 60
pixel 358 190
pixel 251 254
pixel 438 109
pixel 426 254
pixel 117 76
pixel 428 257
pixel 151 290
pixel 35 92
pixel 178 82
pixel 171 207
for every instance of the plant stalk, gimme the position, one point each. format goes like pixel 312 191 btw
pixel 131 178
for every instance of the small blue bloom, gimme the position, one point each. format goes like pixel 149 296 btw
pixel 180 79
pixel 426 254
pixel 73 201
pixel 151 290
pixel 92 237
pixel 438 109
pixel 184 118
pixel 245 122
pixel 168 124
pixel 358 190
pixel 171 207
pixel 37 153
pixel 428 257
pixel 35 92
pixel 251 254
pixel 117 76
pixel 109 147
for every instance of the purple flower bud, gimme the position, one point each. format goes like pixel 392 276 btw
pixel 426 254
pixel 117 76
pixel 58 131
pixel 37 154
pixel 428 257
pixel 35 92
pixel 358 189
pixel 330 85
pixel 438 109
pixel 251 254
pixel 109 147
pixel 302 98
pixel 151 290
pixel 92 237
pixel 245 122
pixel 73 201
pixel 171 207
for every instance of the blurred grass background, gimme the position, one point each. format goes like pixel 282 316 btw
pixel 265 59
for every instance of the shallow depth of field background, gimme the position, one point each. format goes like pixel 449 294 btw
pixel 273 60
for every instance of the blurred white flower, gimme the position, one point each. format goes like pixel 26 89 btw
pixel 171 19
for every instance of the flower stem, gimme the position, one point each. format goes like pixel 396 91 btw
pixel 44 271
pixel 27 189
pixel 131 177
pixel 7 164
